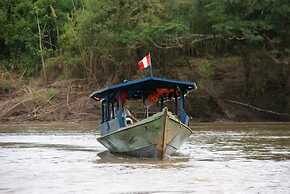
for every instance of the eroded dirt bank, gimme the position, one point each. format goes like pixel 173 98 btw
pixel 226 92
pixel 58 101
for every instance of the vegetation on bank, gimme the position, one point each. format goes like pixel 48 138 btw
pixel 236 50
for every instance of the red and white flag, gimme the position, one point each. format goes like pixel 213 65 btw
pixel 145 62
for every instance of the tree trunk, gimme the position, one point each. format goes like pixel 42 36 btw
pixel 41 49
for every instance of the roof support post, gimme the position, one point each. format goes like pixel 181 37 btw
pixel 176 101
pixel 113 110
pixel 182 99
pixel 108 110
pixel 103 111
pixel 161 103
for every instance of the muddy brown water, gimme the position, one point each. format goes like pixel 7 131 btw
pixel 218 158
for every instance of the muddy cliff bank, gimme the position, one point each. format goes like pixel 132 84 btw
pixel 227 91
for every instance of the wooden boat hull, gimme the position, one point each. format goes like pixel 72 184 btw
pixel 155 137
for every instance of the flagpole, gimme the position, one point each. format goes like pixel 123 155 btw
pixel 151 72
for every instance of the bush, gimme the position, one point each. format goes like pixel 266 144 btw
pixel 6 86
pixel 51 93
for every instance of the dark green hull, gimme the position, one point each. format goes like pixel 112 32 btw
pixel 155 137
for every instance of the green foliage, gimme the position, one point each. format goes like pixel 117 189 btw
pixel 102 35
pixel 206 70
pixel 19 38
pixel 51 93
pixel 257 22
pixel 5 86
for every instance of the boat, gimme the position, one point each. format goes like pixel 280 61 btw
pixel 160 133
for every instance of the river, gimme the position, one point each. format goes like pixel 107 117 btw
pixel 218 158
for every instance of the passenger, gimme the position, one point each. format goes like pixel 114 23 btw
pixel 130 115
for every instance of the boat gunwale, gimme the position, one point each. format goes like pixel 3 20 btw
pixel 173 118
pixel 141 122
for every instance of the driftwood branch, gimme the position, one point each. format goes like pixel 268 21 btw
pixel 180 41
pixel 7 112
pixel 261 110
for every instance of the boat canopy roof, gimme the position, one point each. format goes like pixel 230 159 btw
pixel 136 89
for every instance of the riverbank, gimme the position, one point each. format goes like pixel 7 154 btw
pixel 224 94
pixel 41 126
pixel 91 126
pixel 63 100
pixel 68 101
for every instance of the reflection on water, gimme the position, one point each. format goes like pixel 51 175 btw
pixel 106 157
pixel 216 159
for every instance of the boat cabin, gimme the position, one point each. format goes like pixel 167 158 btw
pixel 150 91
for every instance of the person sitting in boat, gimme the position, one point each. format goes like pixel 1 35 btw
pixel 130 118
